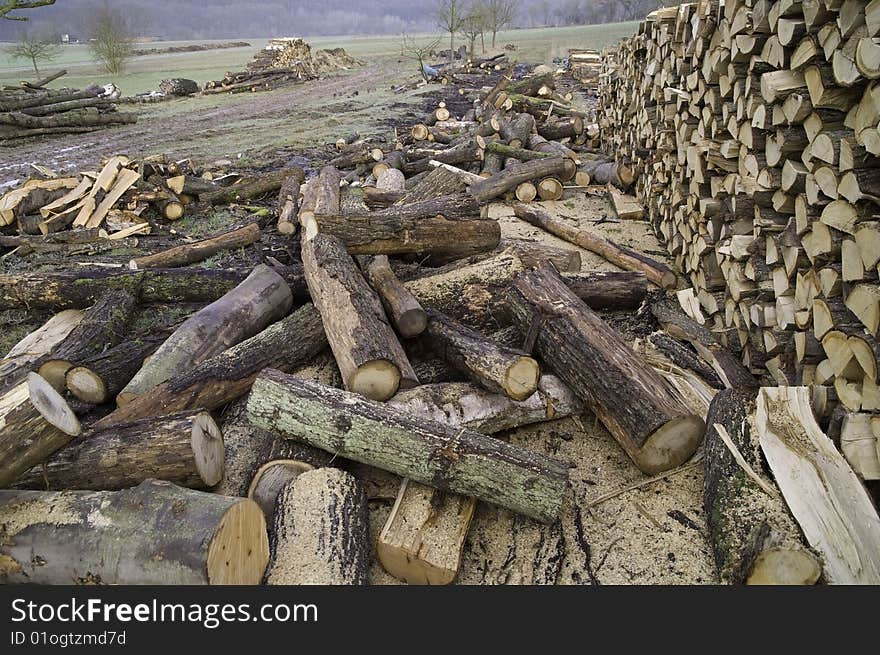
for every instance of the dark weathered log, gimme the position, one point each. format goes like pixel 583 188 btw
pixel 570 127
pixel 401 306
pixel 80 289
pixel 631 399
pixel 627 259
pixel 609 289
pixel 284 345
pixel 288 205
pixel 566 260
pixel 248 189
pixel 75 119
pixel 99 378
pixel 370 357
pixel 509 178
pixel 444 457
pixel 495 367
pixel 517 130
pixel 35 421
pixel 156 533
pixel 191 253
pixel 262 298
pixel 320 531
pixel 754 537
pixel 103 326
pixel 186 449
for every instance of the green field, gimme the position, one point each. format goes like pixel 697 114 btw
pixel 144 73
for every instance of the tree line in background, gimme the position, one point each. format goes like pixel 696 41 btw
pixel 185 20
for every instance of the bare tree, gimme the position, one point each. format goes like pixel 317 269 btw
pixel 412 49
pixel 450 16
pixel 34 49
pixel 499 14
pixel 111 42
pixel 474 26
pixel 7 6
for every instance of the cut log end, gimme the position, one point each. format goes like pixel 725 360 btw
pixel 52 406
pixel 54 372
pixel 671 445
pixel 86 385
pixel 522 378
pixel 287 227
pixel 412 322
pixel 376 380
pixel 782 566
pixel 270 479
pixel 239 550
pixel 208 450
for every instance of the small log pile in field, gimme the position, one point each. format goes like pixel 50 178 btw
pixel 586 66
pixel 33 111
pixel 281 62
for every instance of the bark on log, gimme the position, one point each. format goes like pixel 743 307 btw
pixel 321 531
pixel 103 325
pixel 447 458
pixel 401 306
pixel 327 192
pixel 35 421
pixel 191 253
pixel 608 289
pixel 627 259
pixel 185 448
pixel 288 205
pixel 370 357
pixel 631 399
pixel 754 538
pixel 262 298
pixel 80 289
pixel 284 345
pixel 155 533
pixel 497 368
pixel 249 189
pixel 509 178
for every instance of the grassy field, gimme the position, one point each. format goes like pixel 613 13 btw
pixel 145 72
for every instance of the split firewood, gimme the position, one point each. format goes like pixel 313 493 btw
pixel 259 300
pixel 813 476
pixel 366 349
pixel 655 429
pixel 35 421
pixel 420 449
pixel 271 478
pixel 185 448
pixel 401 306
pixel 32 351
pixel 320 531
pixel 284 345
pixel 627 259
pixel 860 445
pixel 626 207
pixel 191 253
pixel 32 195
pixel 81 289
pixel 155 533
pixel 754 538
pixel 497 368
pixel 103 325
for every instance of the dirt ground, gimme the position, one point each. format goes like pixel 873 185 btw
pixel 655 534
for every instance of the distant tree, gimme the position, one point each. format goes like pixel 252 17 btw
pixel 110 39
pixel 34 49
pixel 499 14
pixel 7 6
pixel 450 16
pixel 474 26
pixel 412 49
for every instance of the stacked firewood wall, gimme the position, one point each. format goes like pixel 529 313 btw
pixel 753 128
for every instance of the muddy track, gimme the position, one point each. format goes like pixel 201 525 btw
pixel 178 134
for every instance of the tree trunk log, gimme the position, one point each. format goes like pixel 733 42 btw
pixel 288 205
pixel 191 253
pixel 262 298
pixel 321 531
pixel 185 448
pixel 754 538
pixel 509 178
pixel 632 400
pixel 401 306
pixel 252 188
pixel 444 457
pixel 102 326
pixel 35 421
pixel 498 369
pixel 284 345
pixel 155 533
pixel 370 357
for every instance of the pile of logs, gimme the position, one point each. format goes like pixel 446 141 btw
pixel 586 66
pixel 35 111
pixel 281 62
pixel 753 127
